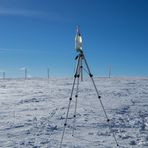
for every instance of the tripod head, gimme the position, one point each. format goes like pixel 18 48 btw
pixel 80 53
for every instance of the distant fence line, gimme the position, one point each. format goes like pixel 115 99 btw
pixel 27 73
pixel 23 73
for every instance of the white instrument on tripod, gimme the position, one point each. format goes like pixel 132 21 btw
pixel 78 40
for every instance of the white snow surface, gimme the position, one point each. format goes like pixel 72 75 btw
pixel 32 113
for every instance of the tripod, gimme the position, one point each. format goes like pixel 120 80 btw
pixel 78 72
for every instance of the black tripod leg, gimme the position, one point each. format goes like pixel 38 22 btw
pixel 76 99
pixel 99 97
pixel 70 99
pixel 81 69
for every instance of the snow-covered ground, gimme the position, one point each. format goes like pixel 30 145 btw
pixel 32 113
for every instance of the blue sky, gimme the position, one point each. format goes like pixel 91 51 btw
pixel 40 33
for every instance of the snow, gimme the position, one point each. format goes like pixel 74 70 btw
pixel 32 113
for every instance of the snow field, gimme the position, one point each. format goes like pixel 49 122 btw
pixel 32 113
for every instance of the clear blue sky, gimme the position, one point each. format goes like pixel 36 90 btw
pixel 40 33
